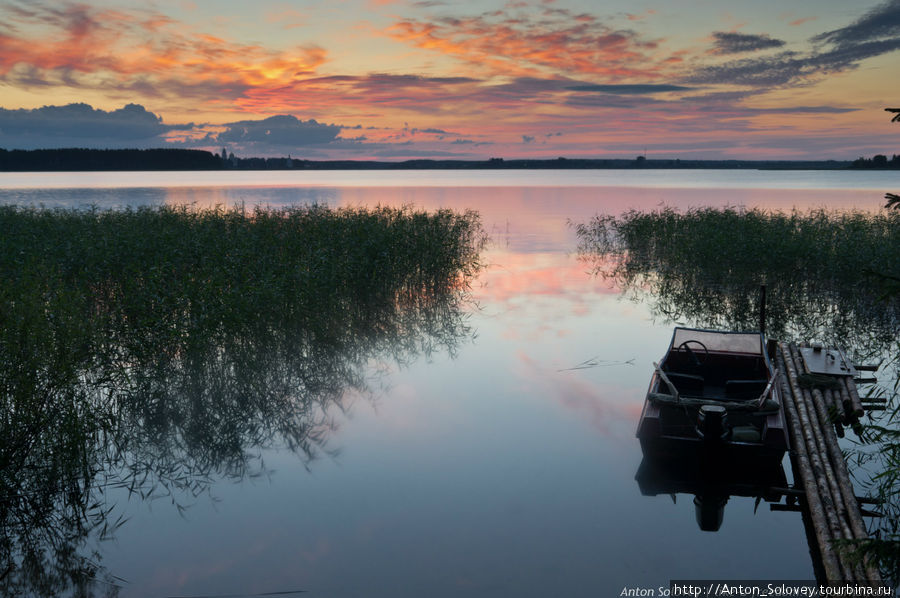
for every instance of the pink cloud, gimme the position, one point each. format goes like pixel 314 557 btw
pixel 557 42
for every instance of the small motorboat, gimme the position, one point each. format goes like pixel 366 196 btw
pixel 714 396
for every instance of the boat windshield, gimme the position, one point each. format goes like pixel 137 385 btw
pixel 726 342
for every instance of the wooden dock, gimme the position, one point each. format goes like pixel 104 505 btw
pixel 817 406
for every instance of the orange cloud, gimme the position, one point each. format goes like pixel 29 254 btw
pixel 556 42
pixel 92 48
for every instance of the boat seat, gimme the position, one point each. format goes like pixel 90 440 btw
pixel 744 389
pixel 686 383
pixel 746 434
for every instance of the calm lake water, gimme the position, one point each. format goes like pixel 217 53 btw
pixel 506 469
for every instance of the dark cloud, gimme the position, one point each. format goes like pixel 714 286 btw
pixel 875 34
pixel 534 85
pixel 527 138
pixel 847 56
pixel 279 131
pixel 771 71
pixel 632 89
pixel 801 110
pixel 278 135
pixel 610 100
pixel 737 43
pixel 428 131
pixel 733 96
pixel 523 90
pixel 390 81
pixel 792 67
pixel 735 102
pixel 883 21
pixel 730 104
pixel 83 126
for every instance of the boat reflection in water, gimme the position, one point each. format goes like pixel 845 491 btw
pixel 712 482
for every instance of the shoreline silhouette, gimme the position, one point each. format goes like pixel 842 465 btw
pixel 80 159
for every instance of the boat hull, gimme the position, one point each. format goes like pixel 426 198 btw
pixel 668 448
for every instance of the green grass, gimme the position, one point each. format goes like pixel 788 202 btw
pixel 159 348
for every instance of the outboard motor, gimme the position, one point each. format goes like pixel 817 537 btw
pixel 713 430
pixel 710 511
pixel 712 424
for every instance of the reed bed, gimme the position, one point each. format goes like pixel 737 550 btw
pixel 829 274
pixel 156 349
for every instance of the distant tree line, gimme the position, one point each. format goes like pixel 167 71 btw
pixel 106 159
pixel 76 159
pixel 878 161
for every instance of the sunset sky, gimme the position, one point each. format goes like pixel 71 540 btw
pixel 393 79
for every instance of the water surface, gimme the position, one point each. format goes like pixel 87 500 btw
pixel 504 469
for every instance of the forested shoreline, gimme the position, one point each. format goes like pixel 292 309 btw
pixel 81 159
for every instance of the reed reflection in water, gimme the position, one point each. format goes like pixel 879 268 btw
pixel 160 349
